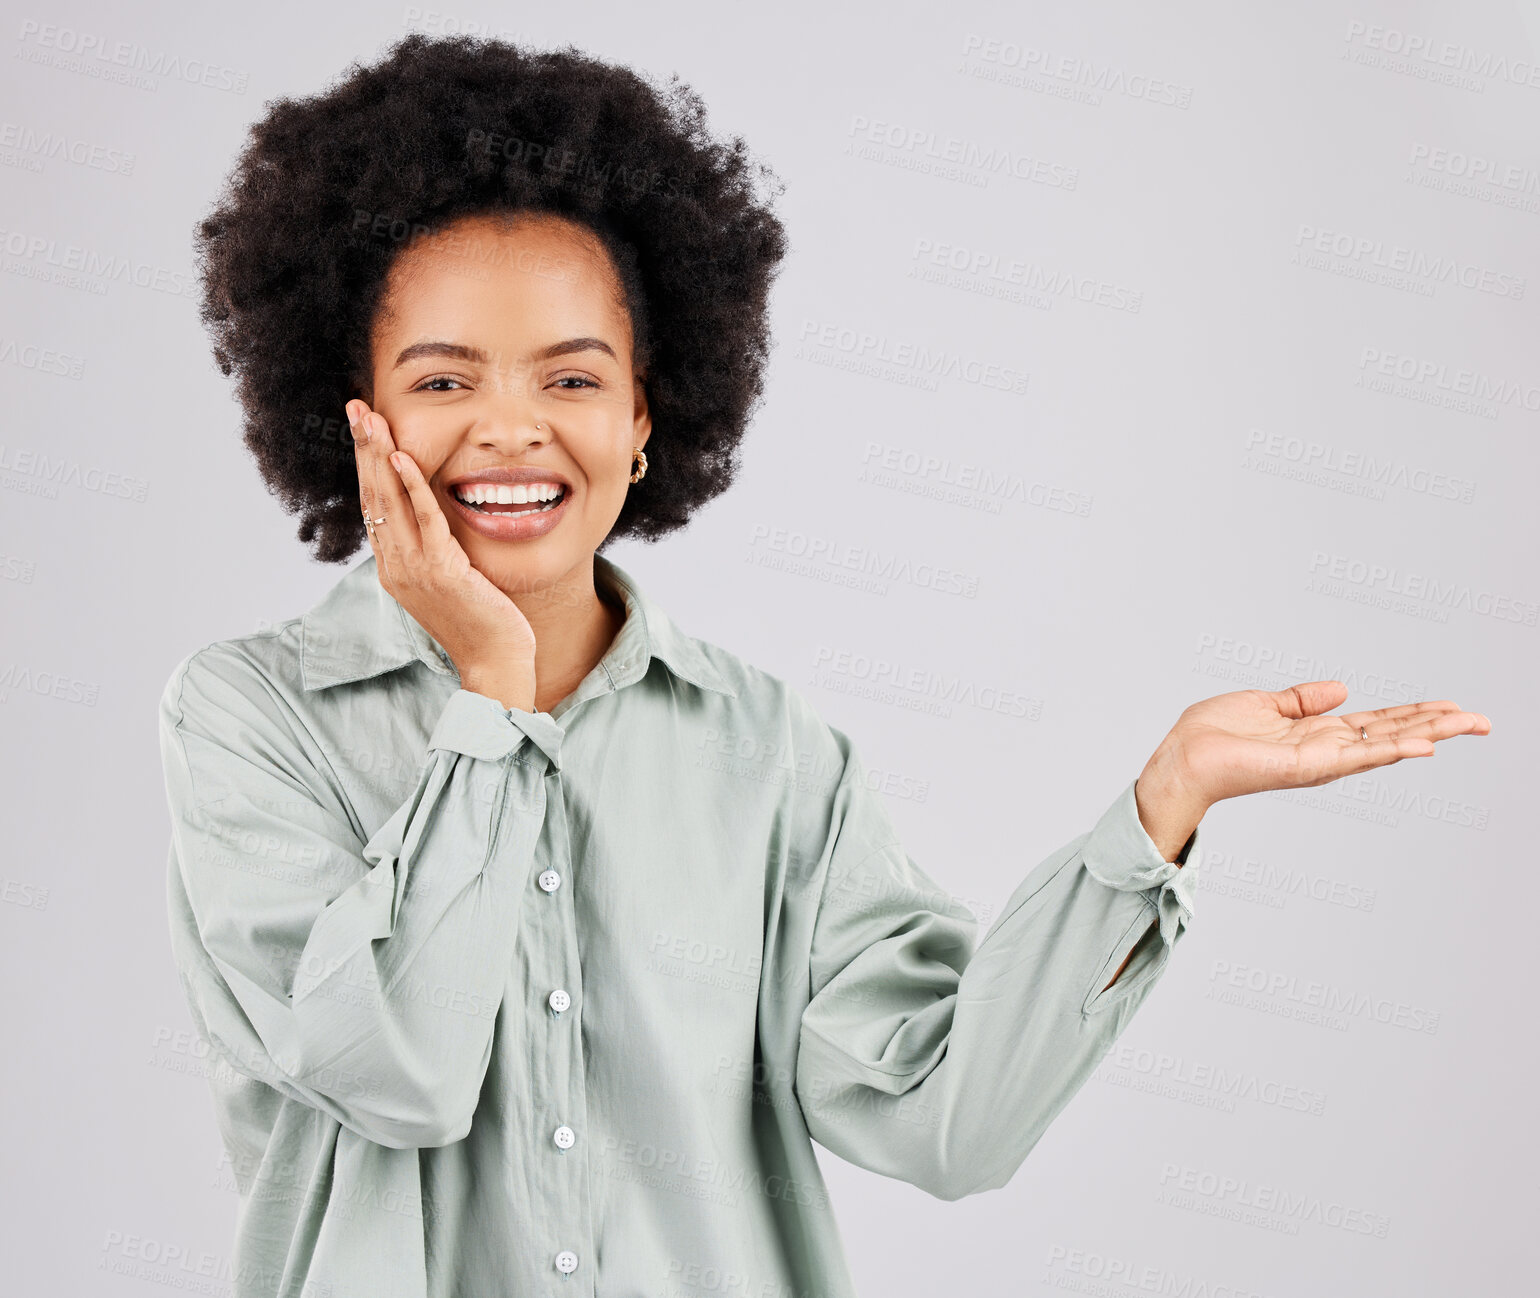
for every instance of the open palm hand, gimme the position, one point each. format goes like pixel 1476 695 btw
pixel 1249 741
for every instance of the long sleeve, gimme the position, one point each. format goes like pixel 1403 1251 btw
pixel 361 978
pixel 937 1059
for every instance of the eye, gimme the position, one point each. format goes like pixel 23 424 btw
pixel 577 378
pixel 436 378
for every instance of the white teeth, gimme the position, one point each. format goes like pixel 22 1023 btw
pixel 480 493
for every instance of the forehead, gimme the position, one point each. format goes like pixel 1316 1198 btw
pixel 539 271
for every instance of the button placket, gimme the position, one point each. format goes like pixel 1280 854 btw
pixel 560 1094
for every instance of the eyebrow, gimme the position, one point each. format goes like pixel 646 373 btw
pixel 462 352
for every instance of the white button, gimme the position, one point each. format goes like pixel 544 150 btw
pixel 559 1000
pixel 550 880
pixel 566 1261
pixel 564 1136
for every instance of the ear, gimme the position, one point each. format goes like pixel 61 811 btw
pixel 641 416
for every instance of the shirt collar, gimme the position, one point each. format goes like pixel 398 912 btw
pixel 359 630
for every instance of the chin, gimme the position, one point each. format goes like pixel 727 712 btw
pixel 519 565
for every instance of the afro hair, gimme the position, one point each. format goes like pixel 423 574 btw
pixel 294 256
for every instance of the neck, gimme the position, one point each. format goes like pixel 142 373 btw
pixel 574 627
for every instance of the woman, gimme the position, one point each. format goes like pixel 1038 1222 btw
pixel 535 937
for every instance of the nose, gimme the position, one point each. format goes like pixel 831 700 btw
pixel 510 428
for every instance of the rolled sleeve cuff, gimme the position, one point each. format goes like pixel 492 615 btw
pixel 479 726
pixel 1120 854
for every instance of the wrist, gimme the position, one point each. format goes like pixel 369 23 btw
pixel 1170 807
pixel 506 691
pixel 1166 776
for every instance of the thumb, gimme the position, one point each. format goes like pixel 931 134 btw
pixel 1309 699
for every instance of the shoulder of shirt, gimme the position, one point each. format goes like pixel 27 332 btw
pixel 258 662
pixel 766 701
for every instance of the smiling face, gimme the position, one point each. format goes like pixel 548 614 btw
pixel 502 356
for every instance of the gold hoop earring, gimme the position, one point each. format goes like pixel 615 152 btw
pixel 637 473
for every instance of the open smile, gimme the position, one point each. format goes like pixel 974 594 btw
pixel 515 513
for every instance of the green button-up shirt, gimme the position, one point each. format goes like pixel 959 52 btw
pixel 517 1003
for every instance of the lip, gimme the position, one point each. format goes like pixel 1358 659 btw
pixel 512 527
pixel 512 475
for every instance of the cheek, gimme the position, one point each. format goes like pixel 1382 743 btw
pixel 428 446
pixel 618 481
pixel 428 458
pixel 609 469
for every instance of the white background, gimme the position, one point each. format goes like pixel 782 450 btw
pixel 1183 501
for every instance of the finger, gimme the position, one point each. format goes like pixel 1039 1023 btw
pixel 1380 753
pixel 378 507
pixel 390 491
pixel 432 526
pixel 366 494
pixel 400 543
pixel 1356 719
pixel 1352 759
pixel 1391 725
pixel 1309 699
pixel 1414 739
pixel 1447 722
pixel 1446 725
